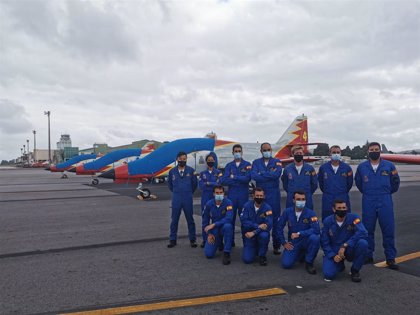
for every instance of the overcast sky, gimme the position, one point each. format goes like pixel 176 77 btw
pixel 121 71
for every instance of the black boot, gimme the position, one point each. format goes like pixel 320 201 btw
pixel 193 244
pixel 226 258
pixel 276 250
pixel 392 265
pixel 171 244
pixel 310 268
pixel 263 261
pixel 355 276
pixel 202 244
pixel 368 260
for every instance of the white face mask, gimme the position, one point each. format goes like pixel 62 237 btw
pixel 336 156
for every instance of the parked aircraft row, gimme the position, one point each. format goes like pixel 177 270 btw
pixel 135 165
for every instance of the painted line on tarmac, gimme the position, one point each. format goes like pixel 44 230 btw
pixel 400 259
pixel 184 303
pixel 59 198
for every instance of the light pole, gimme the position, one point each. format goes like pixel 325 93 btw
pixel 34 132
pixel 48 113
pixel 24 149
pixel 21 154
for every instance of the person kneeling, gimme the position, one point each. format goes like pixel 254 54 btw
pixel 219 211
pixel 303 233
pixel 256 221
pixel 343 237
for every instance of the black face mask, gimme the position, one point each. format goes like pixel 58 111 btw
pixel 298 157
pixel 374 155
pixel 340 213
pixel 258 201
pixel 210 164
pixel 182 163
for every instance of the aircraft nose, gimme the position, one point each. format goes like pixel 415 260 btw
pixel 72 170
pixel 108 174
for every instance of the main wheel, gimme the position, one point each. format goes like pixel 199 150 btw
pixel 145 193
pixel 95 181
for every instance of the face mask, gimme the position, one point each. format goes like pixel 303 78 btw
pixel 210 164
pixel 237 155
pixel 298 157
pixel 182 163
pixel 219 197
pixel 258 201
pixel 267 154
pixel 341 213
pixel 374 155
pixel 300 204
pixel 336 156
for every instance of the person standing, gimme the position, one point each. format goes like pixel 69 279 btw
pixel 236 177
pixel 299 176
pixel 377 180
pixel 266 172
pixel 335 180
pixel 182 182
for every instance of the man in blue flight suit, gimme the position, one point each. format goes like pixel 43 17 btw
pixel 236 176
pixel 217 224
pixel 335 180
pixel 377 180
pixel 299 176
pixel 256 223
pixel 343 237
pixel 266 172
pixel 207 181
pixel 182 182
pixel 303 234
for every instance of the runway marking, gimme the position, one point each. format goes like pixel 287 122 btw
pixel 400 259
pixel 184 303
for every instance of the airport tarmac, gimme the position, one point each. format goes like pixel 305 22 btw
pixel 66 246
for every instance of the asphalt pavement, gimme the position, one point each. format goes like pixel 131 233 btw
pixel 67 246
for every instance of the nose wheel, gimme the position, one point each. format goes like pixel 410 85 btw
pixel 95 181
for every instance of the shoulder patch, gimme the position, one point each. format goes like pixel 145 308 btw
pixel 356 221
pixel 229 208
pixel 220 174
pixel 313 173
pixel 394 172
pixel 350 173
pixel 278 163
pixel 269 212
pixel 248 167
pixel 314 219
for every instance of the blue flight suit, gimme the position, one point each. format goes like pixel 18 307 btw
pixel 333 237
pixel 334 186
pixel 377 189
pixel 308 241
pixel 182 187
pixel 268 178
pixel 222 217
pixel 238 189
pixel 305 181
pixel 206 182
pixel 250 220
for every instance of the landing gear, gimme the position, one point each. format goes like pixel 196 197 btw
pixel 95 181
pixel 144 192
pixel 63 176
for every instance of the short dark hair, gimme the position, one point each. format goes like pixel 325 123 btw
pixel 236 146
pixel 263 144
pixel 218 187
pixel 336 201
pixel 335 147
pixel 257 189
pixel 181 153
pixel 299 192
pixel 372 144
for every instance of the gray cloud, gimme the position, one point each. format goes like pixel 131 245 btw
pixel 121 71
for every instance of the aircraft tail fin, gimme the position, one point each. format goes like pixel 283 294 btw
pixel 148 147
pixel 295 134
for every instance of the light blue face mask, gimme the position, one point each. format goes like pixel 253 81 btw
pixel 267 154
pixel 219 197
pixel 300 204
pixel 336 156
pixel 237 155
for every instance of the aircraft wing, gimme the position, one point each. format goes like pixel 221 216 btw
pixel 402 158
